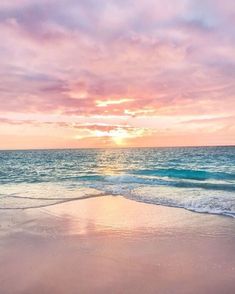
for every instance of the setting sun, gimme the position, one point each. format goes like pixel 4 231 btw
pixel 119 136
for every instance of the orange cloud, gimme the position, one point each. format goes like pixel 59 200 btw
pixel 146 72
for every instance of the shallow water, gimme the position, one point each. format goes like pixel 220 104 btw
pixel 200 179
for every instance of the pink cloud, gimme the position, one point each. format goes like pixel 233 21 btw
pixel 73 57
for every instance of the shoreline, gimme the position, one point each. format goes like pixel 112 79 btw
pixel 115 245
pixel 227 215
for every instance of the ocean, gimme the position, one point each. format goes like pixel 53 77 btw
pixel 200 179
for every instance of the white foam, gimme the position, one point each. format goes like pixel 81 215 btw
pixel 198 200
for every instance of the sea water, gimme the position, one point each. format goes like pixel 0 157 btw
pixel 200 179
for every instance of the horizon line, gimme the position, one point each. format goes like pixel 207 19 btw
pixel 130 147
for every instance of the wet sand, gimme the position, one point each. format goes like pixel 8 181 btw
pixel 115 245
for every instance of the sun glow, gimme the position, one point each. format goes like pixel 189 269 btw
pixel 111 134
pixel 118 136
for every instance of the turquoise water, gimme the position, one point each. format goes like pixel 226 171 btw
pixel 200 179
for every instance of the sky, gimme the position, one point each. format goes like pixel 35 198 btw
pixel 116 73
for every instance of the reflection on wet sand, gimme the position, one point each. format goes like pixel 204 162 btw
pixel 114 245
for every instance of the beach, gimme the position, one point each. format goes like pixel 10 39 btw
pixel 115 245
pixel 117 147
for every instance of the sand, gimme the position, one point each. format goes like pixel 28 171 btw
pixel 114 245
